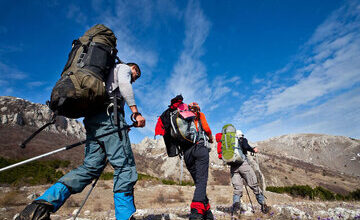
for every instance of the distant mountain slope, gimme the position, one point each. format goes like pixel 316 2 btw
pixel 337 153
pixel 19 118
pixel 272 167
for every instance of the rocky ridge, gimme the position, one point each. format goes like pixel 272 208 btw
pixel 338 153
pixel 20 112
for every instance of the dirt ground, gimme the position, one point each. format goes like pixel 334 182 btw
pixel 153 201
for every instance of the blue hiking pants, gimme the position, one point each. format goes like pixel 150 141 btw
pixel 117 150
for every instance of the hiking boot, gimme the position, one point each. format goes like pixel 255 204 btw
pixel 37 210
pixel 235 209
pixel 208 215
pixel 195 215
pixel 265 209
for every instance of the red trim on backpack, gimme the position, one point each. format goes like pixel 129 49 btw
pixel 159 128
pixel 218 137
pixel 199 206
pixel 219 150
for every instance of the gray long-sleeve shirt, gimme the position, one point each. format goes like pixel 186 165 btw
pixel 120 77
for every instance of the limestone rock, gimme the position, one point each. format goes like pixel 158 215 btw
pixel 20 112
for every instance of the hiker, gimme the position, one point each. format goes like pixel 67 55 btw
pixel 241 170
pixel 115 148
pixel 196 158
pixel 189 137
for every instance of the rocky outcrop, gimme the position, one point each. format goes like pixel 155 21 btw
pixel 20 112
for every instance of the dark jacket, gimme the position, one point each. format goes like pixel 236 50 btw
pixel 244 144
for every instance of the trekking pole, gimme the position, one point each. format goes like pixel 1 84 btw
pixel 181 167
pixel 257 161
pixel 65 148
pixel 88 194
pixel 253 210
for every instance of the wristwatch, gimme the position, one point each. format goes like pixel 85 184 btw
pixel 134 115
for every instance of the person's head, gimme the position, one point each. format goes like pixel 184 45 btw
pixel 239 134
pixel 194 107
pixel 135 71
pixel 176 101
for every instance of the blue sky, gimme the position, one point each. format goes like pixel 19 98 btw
pixel 269 67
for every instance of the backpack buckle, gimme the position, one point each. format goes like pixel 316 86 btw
pixel 80 62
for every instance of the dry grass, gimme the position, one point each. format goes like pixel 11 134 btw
pixel 160 198
pixel 98 207
pixel 174 197
pixel 9 199
pixel 103 185
pixel 179 195
pixel 72 203
pixel 222 200
pixel 221 177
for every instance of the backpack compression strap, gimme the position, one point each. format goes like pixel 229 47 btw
pixel 53 120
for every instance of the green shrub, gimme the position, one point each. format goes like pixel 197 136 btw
pixel 168 182
pixel 142 176
pixel 318 192
pixel 302 191
pixel 187 183
pixel 354 195
pixel 107 176
pixel 276 189
pixel 340 197
pixel 323 194
pixel 34 173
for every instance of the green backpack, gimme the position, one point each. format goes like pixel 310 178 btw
pixel 81 88
pixel 231 151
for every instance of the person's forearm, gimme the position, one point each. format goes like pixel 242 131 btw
pixel 133 108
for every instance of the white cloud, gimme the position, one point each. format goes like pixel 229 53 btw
pixel 337 116
pixel 329 66
pixel 74 12
pixel 35 84
pixel 189 76
pixel 7 72
pixel 119 17
pixel 335 65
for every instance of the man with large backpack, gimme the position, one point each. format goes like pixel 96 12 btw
pixel 187 132
pixel 114 148
pixel 234 153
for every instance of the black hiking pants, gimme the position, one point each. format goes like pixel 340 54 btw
pixel 197 162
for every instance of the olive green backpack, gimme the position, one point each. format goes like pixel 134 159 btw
pixel 81 88
pixel 231 151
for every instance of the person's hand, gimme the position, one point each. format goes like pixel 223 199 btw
pixel 256 150
pixel 140 121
